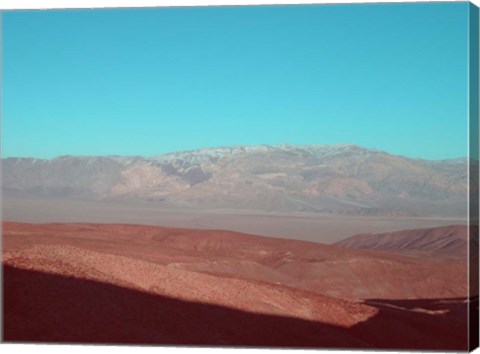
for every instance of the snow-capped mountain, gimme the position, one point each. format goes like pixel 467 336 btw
pixel 341 178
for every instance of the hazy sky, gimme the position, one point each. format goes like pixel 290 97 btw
pixel 149 81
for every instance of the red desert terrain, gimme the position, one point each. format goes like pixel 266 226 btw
pixel 98 283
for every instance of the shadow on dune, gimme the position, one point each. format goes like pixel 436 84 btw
pixel 43 307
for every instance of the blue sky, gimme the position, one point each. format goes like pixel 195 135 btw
pixel 149 81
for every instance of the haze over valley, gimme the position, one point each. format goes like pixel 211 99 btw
pixel 288 191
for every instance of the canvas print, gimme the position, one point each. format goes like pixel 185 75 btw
pixel 301 176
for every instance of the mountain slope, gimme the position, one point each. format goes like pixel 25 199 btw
pixel 315 178
pixel 150 285
pixel 451 241
pixel 326 269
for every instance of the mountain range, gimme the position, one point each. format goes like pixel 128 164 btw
pixel 342 178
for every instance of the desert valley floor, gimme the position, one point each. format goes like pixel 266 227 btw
pixel 290 225
pixel 121 283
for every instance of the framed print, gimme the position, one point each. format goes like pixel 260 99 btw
pixel 268 176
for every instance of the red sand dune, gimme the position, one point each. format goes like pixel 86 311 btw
pixel 142 284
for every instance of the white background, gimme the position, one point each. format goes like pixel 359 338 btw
pixel 77 349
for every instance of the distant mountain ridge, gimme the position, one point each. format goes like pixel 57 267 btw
pixel 340 178
pixel 449 241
